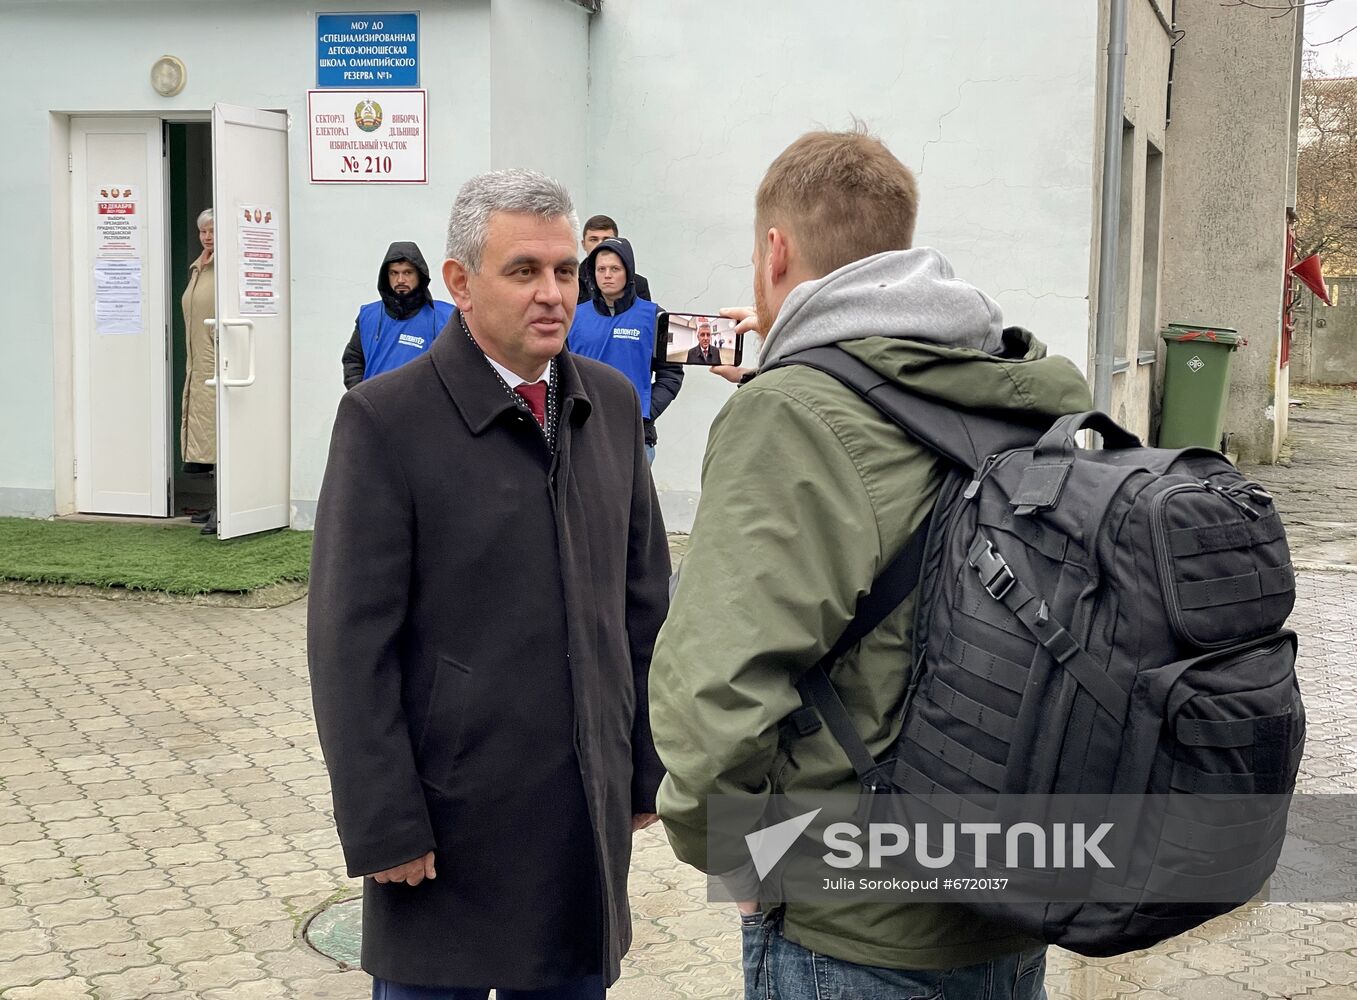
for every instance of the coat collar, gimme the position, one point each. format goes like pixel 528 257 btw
pixel 476 390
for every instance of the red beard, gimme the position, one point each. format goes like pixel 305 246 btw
pixel 766 315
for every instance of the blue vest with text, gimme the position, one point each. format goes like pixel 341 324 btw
pixel 389 343
pixel 625 342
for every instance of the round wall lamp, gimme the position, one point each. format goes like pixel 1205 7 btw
pixel 168 76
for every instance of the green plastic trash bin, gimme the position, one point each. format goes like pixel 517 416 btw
pixel 1196 384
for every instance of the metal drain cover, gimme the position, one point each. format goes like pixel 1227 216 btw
pixel 337 931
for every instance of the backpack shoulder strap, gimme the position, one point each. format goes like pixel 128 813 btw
pixel 896 582
pixel 901 575
pixel 965 438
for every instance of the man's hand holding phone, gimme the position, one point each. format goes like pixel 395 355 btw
pixel 747 321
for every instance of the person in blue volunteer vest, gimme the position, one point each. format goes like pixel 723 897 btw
pixel 617 327
pixel 402 324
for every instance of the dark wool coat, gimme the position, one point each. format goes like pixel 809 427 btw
pixel 481 618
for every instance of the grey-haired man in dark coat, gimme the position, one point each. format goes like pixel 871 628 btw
pixel 490 572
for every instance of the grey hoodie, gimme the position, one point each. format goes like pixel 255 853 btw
pixel 911 294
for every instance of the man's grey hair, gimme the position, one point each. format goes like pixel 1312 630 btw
pixel 522 192
pixel 204 217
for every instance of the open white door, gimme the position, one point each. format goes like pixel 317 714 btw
pixel 254 336
pixel 121 364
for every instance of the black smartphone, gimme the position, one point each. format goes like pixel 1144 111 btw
pixel 697 339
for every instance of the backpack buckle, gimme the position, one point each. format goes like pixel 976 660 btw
pixel 805 720
pixel 995 575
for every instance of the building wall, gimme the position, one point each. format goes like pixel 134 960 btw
pixel 539 98
pixel 1226 193
pixel 1149 44
pixel 1325 348
pixel 1282 409
pixel 687 111
pixel 261 54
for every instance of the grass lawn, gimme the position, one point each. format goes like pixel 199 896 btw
pixel 174 559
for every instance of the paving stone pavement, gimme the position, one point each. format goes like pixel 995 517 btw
pixel 1316 480
pixel 165 827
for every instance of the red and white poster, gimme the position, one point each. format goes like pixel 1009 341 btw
pixel 258 240
pixel 118 213
pixel 117 220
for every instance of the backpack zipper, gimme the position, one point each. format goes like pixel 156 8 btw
pixel 981 474
pixel 1238 496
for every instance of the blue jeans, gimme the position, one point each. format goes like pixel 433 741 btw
pixel 650 454
pixel 778 969
pixel 588 988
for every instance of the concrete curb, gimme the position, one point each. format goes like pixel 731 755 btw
pixel 1323 567
pixel 273 596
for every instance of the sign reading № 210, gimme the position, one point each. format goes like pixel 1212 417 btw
pixel 380 49
pixel 375 136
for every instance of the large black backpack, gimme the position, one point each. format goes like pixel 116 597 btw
pixel 1090 622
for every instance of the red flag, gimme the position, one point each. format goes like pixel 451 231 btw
pixel 1310 273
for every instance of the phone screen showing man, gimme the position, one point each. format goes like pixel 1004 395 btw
pixel 698 339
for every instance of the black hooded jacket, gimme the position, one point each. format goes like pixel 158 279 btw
pixel 668 376
pixel 397 306
pixel 587 286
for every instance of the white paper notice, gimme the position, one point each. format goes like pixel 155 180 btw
pixel 117 317
pixel 117 221
pixel 258 240
pixel 117 296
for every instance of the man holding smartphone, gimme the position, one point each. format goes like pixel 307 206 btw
pixel 807 492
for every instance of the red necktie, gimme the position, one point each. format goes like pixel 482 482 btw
pixel 535 395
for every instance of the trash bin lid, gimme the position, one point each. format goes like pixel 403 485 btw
pixel 1225 335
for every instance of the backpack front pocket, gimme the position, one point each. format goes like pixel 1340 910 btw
pixel 1224 566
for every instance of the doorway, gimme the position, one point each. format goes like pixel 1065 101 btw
pixel 188 169
pixel 137 187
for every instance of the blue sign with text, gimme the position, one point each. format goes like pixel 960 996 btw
pixel 380 49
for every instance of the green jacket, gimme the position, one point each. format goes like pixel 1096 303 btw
pixel 807 493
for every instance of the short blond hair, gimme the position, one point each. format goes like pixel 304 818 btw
pixel 843 195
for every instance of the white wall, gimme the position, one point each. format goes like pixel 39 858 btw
pixel 539 97
pixel 991 102
pixel 97 57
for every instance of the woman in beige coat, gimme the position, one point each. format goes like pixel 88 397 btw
pixel 198 429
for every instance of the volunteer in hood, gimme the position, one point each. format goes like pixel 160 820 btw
pixel 402 324
pixel 617 326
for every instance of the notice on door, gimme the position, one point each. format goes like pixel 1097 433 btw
pixel 258 241
pixel 377 137
pixel 117 220
pixel 117 296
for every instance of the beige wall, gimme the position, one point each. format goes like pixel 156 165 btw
pixel 1324 351
pixel 1139 254
pixel 1227 186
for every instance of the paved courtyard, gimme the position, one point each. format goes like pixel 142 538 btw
pixel 165 827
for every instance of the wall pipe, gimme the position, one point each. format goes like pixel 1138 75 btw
pixel 1104 327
